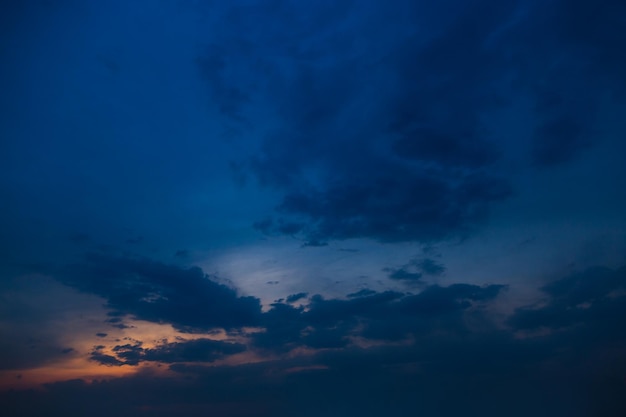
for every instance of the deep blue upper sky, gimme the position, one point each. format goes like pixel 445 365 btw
pixel 313 208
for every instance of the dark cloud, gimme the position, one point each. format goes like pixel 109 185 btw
pixel 454 341
pixel 196 350
pixel 585 299
pixel 414 158
pixel 395 208
pixel 296 297
pixel 575 69
pixel 328 337
pixel 430 267
pixel 361 293
pixel 327 312
pixel 117 320
pixel 128 354
pixel 283 326
pixel 148 290
pixel 458 360
pixel 101 334
pixel 404 275
pixel 413 176
pixel 330 323
pixel 414 271
pixel 436 300
pixel 107 360
pixel 117 323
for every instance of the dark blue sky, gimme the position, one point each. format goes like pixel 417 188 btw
pixel 313 208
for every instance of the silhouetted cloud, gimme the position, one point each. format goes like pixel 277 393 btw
pixel 437 300
pixel 104 359
pixel 585 299
pixel 296 297
pixel 330 323
pixel 458 359
pixel 196 350
pixel 148 290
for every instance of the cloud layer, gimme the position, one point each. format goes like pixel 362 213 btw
pixel 450 356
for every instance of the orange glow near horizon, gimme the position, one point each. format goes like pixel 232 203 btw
pixel 76 368
pixel 78 365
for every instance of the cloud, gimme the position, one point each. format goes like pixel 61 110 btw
pixel 196 350
pixel 395 208
pixel 418 167
pixel 458 360
pixel 586 300
pixel 283 325
pixel 401 141
pixel 383 316
pixel 296 297
pixel 430 267
pixel 361 293
pixel 437 300
pixel 404 275
pixel 104 359
pixel 148 290
pixel 414 271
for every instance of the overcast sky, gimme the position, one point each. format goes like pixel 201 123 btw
pixel 313 208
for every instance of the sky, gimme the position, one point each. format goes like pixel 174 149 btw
pixel 328 208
